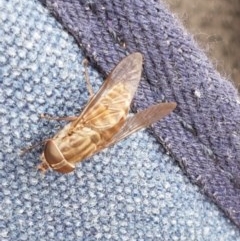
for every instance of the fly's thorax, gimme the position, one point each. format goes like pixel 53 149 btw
pixel 78 144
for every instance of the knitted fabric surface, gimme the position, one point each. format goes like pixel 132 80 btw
pixel 131 191
pixel 204 134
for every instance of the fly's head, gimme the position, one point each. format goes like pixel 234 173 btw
pixel 53 158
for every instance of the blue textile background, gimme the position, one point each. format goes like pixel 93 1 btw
pixel 127 192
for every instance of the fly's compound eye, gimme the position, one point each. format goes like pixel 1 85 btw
pixel 55 158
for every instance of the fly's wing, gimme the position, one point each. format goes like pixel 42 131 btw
pixel 127 75
pixel 142 119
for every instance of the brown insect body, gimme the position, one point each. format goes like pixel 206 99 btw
pixel 104 120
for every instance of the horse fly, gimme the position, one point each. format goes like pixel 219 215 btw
pixel 104 121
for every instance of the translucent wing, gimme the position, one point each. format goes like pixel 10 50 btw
pixel 113 99
pixel 142 119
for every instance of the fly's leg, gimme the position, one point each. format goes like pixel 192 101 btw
pixel 29 148
pixel 89 86
pixel 64 118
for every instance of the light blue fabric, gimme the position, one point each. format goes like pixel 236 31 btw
pixel 131 191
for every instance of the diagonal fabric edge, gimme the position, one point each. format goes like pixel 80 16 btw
pixel 203 133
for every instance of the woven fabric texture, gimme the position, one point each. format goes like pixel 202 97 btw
pixel 131 191
pixel 204 133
